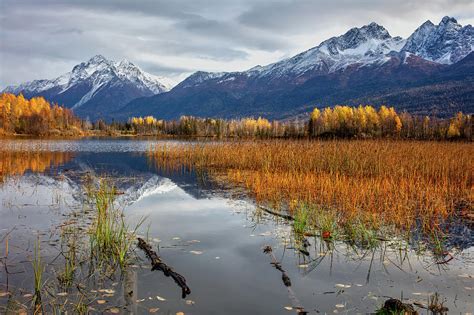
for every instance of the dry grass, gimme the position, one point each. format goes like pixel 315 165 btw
pixel 373 181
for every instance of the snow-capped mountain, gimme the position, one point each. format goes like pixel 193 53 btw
pixel 89 87
pixel 364 65
pixel 372 44
pixel 446 43
pixel 366 45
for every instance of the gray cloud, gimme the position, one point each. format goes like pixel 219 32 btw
pixel 45 38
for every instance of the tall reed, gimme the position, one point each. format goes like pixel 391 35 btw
pixel 110 236
pixel 373 182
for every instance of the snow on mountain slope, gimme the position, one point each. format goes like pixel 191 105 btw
pixel 371 44
pixel 446 43
pixel 365 45
pixel 97 73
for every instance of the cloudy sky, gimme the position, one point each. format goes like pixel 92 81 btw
pixel 173 38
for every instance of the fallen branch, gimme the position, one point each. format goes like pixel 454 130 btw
pixel 278 214
pixel 157 264
pixel 286 281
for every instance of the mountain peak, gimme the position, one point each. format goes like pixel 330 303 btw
pixel 447 20
pixel 98 59
pixel 125 63
pixel 375 30
pixel 427 24
pixel 446 43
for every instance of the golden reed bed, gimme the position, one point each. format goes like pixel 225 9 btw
pixel 377 181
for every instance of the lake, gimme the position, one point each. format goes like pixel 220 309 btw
pixel 212 235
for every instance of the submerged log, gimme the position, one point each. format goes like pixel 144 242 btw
pixel 158 264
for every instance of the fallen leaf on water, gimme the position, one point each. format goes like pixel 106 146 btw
pixel 138 301
pixel 156 240
pixel 108 295
pixel 2 294
pixel 27 295
pixel 339 305
pixel 288 308
pixel 153 310
pixel 109 291
pixel 218 257
pixel 176 238
pixel 159 298
pixel 101 301
pixel 359 285
pixel 61 294
pixel 340 285
pixel 196 252
pixel 194 241
pixel 303 266
pixel 114 310
pixel 180 313
pixel 22 312
pixel 190 302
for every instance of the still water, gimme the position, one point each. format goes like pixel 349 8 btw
pixel 212 236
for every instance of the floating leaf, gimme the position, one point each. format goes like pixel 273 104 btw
pixel 217 257
pixel 2 294
pixel 288 308
pixel 340 305
pixel 194 241
pixel 176 238
pixel 114 310
pixel 303 266
pixel 159 298
pixel 180 313
pixel 108 291
pixel 190 302
pixel 156 240
pixel 27 295
pixel 196 252
pixel 61 294
pixel 101 301
pixel 340 285
pixel 141 300
pixel 153 310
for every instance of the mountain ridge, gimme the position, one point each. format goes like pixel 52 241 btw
pixel 365 64
pixel 96 79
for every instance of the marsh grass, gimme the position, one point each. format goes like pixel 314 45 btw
pixel 38 270
pixel 110 237
pixel 66 277
pixel 356 188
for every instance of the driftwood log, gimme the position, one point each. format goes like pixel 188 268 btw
pixel 158 264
